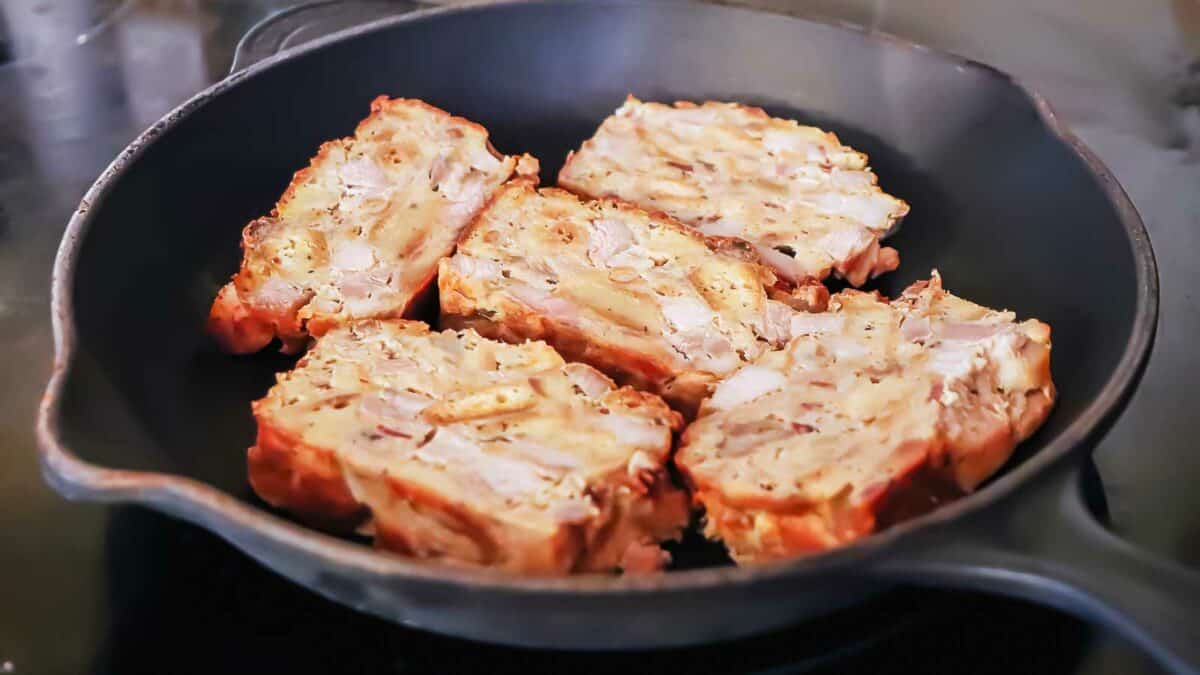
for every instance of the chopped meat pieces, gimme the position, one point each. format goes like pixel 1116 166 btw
pixel 809 205
pixel 870 406
pixel 452 446
pixel 639 296
pixel 358 233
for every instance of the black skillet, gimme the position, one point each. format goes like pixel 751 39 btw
pixel 1011 208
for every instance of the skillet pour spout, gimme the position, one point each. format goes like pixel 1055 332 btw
pixel 143 408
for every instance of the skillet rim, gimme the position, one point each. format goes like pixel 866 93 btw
pixel 240 522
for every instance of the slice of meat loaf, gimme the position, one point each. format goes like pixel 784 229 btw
pixel 359 232
pixel 808 204
pixel 637 295
pixel 452 446
pixel 875 411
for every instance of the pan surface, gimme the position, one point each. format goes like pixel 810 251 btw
pixel 142 407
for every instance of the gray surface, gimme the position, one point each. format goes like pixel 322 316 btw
pixel 1117 71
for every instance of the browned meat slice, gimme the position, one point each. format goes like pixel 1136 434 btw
pixel 358 233
pixel 873 410
pixel 808 204
pixel 639 296
pixel 452 446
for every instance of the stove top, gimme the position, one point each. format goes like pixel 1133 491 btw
pixel 86 588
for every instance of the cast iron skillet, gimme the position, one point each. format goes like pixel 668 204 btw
pixel 1011 208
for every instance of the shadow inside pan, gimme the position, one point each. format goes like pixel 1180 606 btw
pixel 1001 206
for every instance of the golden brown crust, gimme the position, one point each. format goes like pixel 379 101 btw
pixel 302 479
pixel 238 327
pixel 810 205
pixel 875 412
pixel 756 533
pixel 641 512
pixel 447 446
pixel 403 536
pixel 358 232
pixel 809 296
pixel 627 367
pixel 636 294
pixel 1038 407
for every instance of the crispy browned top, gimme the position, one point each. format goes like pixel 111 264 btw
pixel 359 232
pixel 836 414
pixel 630 280
pixel 511 429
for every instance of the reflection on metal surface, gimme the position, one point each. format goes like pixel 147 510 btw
pixel 89 74
pixel 38 26
pixel 162 56
pixel 307 22
pixel 103 25
pixel 65 90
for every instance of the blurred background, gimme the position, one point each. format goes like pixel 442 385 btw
pixel 87 588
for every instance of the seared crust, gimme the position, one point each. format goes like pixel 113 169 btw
pixel 358 233
pixel 874 412
pixel 643 298
pixel 451 446
pixel 808 204
pixel 307 480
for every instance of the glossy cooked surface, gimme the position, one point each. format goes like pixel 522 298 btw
pixel 359 232
pixel 449 445
pixel 872 407
pixel 808 204
pixel 640 296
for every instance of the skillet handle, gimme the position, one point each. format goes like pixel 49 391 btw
pixel 302 23
pixel 1042 544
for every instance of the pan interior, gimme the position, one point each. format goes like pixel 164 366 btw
pixel 1007 212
